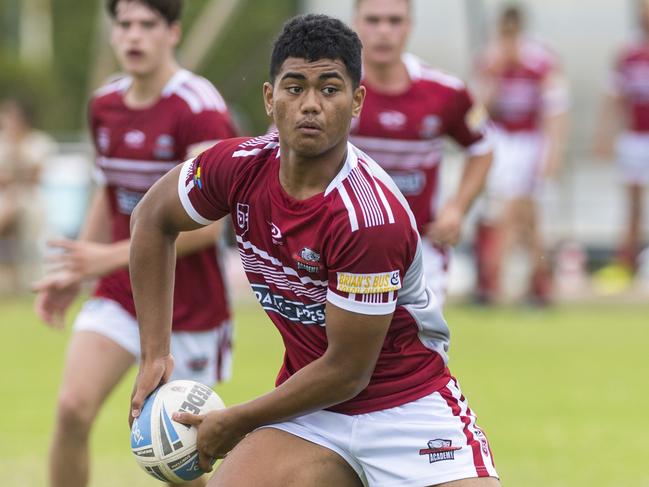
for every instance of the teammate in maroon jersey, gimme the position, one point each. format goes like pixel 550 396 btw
pixel 143 125
pixel 409 109
pixel 524 91
pixel 333 254
pixel 627 101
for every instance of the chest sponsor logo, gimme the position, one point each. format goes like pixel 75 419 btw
pixel 382 282
pixel 392 120
pixel 164 147
pixel 243 217
pixel 308 260
pixel 306 314
pixel 103 139
pixel 440 450
pixel 127 200
pixel 430 125
pixel 134 139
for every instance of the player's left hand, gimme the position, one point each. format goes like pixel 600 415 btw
pixel 82 258
pixel 447 228
pixel 218 433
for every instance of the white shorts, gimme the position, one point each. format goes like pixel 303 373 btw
pixel 203 356
pixel 436 268
pixel 516 169
pixel 429 441
pixel 633 158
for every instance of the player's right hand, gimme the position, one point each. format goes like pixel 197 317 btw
pixel 55 295
pixel 152 373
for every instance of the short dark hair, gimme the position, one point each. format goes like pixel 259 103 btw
pixel 358 3
pixel 513 14
pixel 170 10
pixel 313 37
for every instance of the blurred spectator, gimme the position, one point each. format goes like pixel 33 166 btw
pixel 23 150
pixel 522 87
pixel 625 113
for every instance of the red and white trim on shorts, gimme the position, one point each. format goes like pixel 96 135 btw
pixel 475 438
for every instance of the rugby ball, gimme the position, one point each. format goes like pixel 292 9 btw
pixel 164 448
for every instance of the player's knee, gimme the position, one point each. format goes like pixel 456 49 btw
pixel 74 414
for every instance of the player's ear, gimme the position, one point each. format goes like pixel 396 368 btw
pixel 176 32
pixel 357 102
pixel 268 98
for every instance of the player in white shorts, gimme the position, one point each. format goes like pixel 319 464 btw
pixel 410 110
pixel 333 254
pixel 521 84
pixel 143 124
pixel 627 101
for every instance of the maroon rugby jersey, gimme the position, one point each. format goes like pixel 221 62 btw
pixel 519 98
pixel 630 81
pixel 354 245
pixel 404 132
pixel 137 147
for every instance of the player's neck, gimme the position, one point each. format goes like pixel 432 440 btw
pixel 390 78
pixel 304 177
pixel 146 90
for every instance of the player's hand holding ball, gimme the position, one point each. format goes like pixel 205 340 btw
pixel 151 375
pixel 218 433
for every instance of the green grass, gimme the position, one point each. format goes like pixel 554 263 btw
pixel 560 393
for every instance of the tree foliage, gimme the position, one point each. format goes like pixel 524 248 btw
pixel 237 65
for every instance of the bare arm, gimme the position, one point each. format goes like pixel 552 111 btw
pixel 447 227
pixel 341 373
pixel 555 123
pixel 608 125
pixel 155 224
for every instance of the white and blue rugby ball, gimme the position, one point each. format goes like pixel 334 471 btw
pixel 164 448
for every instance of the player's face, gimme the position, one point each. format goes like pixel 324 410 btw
pixel 141 38
pixel 383 27
pixel 312 104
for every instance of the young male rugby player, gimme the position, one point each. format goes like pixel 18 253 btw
pixel 332 252
pixel 409 109
pixel 143 124
pixel 522 86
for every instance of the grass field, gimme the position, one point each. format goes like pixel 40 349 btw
pixel 560 393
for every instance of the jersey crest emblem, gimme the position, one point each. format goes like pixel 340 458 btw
pixel 430 126
pixel 164 147
pixel 308 259
pixel 243 217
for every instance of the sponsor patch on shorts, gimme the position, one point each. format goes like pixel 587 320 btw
pixel 382 282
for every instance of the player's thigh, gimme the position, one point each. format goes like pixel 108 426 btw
pixel 275 458
pixel 94 365
pixel 477 482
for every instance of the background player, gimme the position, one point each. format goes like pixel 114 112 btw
pixel 333 255
pixel 143 124
pixel 627 107
pixel 408 110
pixel 524 91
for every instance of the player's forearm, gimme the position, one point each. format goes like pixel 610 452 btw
pixel 556 130
pixel 190 242
pixel 152 266
pixel 608 122
pixel 321 384
pixel 473 180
